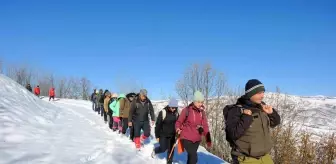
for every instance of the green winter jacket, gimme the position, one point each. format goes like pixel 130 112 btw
pixel 115 106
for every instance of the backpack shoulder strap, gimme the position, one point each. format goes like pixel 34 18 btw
pixel 187 112
pixel 163 114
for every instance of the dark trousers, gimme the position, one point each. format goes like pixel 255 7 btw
pixel 144 125
pixel 102 111
pixel 51 97
pixel 166 143
pixel 191 149
pixel 109 115
pixel 94 106
pixel 105 116
pixel 132 131
pixel 124 125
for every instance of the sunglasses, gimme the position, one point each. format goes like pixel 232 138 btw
pixel 173 108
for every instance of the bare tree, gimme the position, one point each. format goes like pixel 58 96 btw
pixel 45 82
pixel 183 91
pixel 21 74
pixel 61 87
pixel 214 86
pixel 86 87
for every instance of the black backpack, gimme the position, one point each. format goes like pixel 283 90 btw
pixel 227 108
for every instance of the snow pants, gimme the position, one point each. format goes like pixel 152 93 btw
pixel 166 143
pixel 117 124
pixel 266 159
pixel 138 125
pixel 191 149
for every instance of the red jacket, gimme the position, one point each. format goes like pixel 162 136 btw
pixel 52 92
pixel 37 91
pixel 189 124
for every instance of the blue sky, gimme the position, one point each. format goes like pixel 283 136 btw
pixel 290 44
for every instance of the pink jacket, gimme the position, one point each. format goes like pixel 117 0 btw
pixel 188 125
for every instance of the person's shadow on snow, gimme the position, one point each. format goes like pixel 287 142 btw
pixel 203 158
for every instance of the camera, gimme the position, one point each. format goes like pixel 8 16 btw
pixel 200 129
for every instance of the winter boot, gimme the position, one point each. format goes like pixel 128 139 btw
pixel 142 139
pixel 137 143
pixel 153 153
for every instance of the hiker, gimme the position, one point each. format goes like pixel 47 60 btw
pixel 124 109
pixel 29 88
pixel 93 100
pixel 141 107
pixel 110 112
pixel 37 91
pixel 131 98
pixel 105 111
pixel 192 125
pixel 106 106
pixel 100 102
pixel 52 93
pixel 165 130
pixel 247 126
pixel 115 106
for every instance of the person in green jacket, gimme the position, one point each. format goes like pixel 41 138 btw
pixel 115 107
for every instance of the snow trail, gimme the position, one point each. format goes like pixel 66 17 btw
pixel 34 130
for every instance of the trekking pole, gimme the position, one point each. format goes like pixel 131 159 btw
pixel 176 142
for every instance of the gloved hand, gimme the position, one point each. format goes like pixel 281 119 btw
pixel 208 137
pixel 209 144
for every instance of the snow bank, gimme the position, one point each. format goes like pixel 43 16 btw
pixel 24 118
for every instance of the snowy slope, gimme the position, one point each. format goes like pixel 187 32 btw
pixel 65 131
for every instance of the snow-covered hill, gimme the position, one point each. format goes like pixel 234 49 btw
pixel 65 131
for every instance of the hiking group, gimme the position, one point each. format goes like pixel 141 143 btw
pixel 37 91
pixel 247 123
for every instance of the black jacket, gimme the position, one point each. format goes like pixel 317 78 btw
pixel 237 123
pixel 29 88
pixel 166 127
pixel 139 111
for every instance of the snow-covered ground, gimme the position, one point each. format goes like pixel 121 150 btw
pixel 66 131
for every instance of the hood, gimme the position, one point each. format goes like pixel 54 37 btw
pixel 131 95
pixel 246 102
pixel 122 96
pixel 192 106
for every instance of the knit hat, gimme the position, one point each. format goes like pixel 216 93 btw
pixel 143 92
pixel 173 102
pixel 198 96
pixel 253 87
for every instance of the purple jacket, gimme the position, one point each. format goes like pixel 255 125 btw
pixel 188 124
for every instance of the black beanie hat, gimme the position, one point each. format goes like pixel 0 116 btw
pixel 253 87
